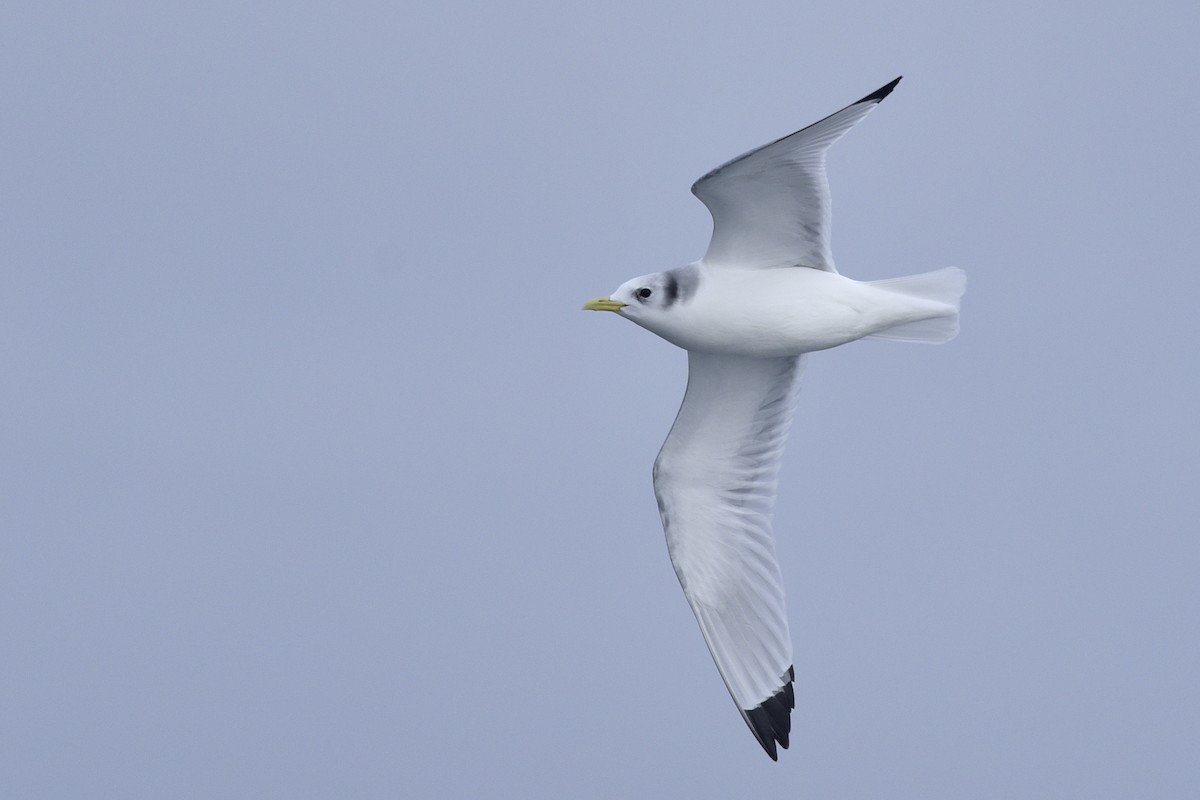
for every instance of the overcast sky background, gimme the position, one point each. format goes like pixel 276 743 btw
pixel 315 481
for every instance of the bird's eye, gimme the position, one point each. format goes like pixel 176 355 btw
pixel 643 293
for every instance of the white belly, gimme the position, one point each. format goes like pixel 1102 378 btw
pixel 782 312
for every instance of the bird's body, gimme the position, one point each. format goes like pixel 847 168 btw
pixel 784 311
pixel 765 294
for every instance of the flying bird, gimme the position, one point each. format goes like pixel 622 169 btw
pixel 764 295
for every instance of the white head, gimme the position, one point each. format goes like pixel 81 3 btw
pixel 650 300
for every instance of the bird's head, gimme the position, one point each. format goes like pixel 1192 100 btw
pixel 649 299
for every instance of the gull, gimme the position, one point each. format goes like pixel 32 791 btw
pixel 764 295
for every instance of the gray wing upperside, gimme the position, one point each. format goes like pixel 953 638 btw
pixel 771 206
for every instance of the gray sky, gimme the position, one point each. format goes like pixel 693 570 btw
pixel 316 482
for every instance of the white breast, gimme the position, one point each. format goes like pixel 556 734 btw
pixel 778 312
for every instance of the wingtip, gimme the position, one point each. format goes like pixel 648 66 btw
pixel 771 720
pixel 880 93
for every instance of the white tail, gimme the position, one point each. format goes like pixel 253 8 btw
pixel 942 289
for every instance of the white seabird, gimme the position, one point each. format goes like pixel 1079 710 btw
pixel 765 294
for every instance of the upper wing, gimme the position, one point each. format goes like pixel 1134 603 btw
pixel 770 207
pixel 715 483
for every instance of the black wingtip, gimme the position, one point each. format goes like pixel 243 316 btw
pixel 771 720
pixel 880 93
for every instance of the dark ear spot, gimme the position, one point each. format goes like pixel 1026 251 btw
pixel 670 290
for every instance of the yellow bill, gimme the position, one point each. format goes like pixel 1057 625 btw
pixel 603 304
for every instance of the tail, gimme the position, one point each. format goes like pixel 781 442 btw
pixel 940 292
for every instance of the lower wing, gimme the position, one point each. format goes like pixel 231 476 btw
pixel 715 480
